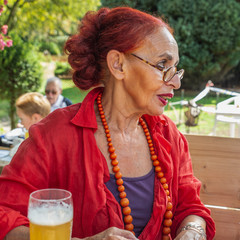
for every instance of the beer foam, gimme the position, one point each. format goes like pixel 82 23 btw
pixel 50 215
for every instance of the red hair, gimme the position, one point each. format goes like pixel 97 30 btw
pixel 121 28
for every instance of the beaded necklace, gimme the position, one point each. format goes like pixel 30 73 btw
pixel 124 202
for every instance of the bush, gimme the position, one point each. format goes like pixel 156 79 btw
pixel 62 68
pixel 20 72
pixel 51 47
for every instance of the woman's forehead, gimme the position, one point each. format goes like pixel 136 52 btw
pixel 159 42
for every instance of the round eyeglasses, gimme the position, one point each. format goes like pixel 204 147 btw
pixel 168 73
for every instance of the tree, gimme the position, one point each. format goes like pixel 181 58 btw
pixel 20 72
pixel 32 18
pixel 207 32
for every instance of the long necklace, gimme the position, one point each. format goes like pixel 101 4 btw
pixel 124 202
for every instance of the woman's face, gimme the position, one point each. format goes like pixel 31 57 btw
pixel 26 121
pixel 144 84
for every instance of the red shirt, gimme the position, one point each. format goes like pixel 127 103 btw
pixel 61 152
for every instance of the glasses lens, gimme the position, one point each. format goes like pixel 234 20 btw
pixel 171 73
pixel 49 91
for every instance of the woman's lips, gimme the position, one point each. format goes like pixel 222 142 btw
pixel 164 98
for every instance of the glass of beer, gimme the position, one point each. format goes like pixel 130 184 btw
pixel 50 212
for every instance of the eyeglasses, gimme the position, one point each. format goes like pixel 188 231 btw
pixel 168 73
pixel 51 91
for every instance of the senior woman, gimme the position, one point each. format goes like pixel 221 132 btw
pixel 126 164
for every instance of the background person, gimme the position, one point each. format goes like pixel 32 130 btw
pixel 53 91
pixel 31 108
pixel 125 162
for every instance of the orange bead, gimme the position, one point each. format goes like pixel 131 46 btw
pixel 165 237
pixel 148 138
pixel 110 144
pixel 108 135
pixel 126 210
pixel 147 133
pixel 121 188
pixel 154 157
pixel 151 149
pixel 160 174
pixel 152 152
pixel 167 192
pixel 163 180
pixel 113 155
pixel 111 149
pixel 116 169
pixel 124 202
pixel 129 227
pixel 100 108
pixel 168 214
pixel 150 144
pixel 105 126
pixel 109 139
pixel 158 169
pixel 169 198
pixel 149 141
pixel 122 194
pixel 114 162
pixel 101 112
pixel 107 130
pixel 166 230
pixel 156 163
pixel 128 219
pixel 169 206
pixel 165 186
pixel 145 130
pixel 119 181
pixel 118 175
pixel 102 116
pixel 167 222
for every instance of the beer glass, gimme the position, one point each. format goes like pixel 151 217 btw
pixel 50 212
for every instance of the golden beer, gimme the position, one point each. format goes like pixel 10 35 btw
pixel 57 232
pixel 50 212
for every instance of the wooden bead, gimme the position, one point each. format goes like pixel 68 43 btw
pixel 165 186
pixel 128 219
pixel 163 180
pixel 166 230
pixel 116 169
pixel 111 149
pixel 121 188
pixel 154 157
pixel 114 162
pixel 158 169
pixel 160 174
pixel 129 227
pixel 156 163
pixel 168 214
pixel 126 210
pixel 169 206
pixel 118 175
pixel 124 202
pixel 119 182
pixel 167 222
pixel 113 156
pixel 122 194
pixel 165 237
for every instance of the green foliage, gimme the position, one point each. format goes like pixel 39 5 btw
pixel 20 71
pixel 43 18
pixel 62 68
pixel 207 32
pixel 50 47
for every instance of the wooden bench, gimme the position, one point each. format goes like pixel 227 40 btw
pixel 216 163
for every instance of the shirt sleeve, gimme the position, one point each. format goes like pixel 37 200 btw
pixel 26 173
pixel 188 193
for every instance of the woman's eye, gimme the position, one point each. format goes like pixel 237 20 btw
pixel 160 66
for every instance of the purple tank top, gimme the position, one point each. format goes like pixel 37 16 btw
pixel 140 192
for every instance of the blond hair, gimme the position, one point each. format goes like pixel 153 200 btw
pixel 33 102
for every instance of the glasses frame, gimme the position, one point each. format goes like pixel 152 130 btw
pixel 180 72
pixel 50 91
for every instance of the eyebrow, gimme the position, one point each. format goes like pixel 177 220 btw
pixel 169 57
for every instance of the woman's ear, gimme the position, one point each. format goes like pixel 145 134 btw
pixel 115 60
pixel 36 117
